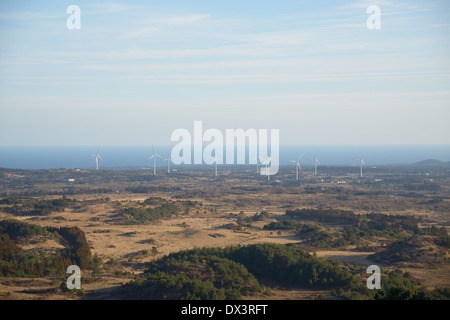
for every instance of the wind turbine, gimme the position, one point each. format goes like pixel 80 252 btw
pixel 266 163
pixel 257 163
pixel 97 156
pixel 361 163
pixel 316 162
pixel 154 156
pixel 169 160
pixel 215 165
pixel 297 164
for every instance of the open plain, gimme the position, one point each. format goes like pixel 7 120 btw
pixel 239 207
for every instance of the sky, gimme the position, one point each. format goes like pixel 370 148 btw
pixel 137 70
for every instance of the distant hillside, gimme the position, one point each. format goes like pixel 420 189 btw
pixel 419 249
pixel 432 162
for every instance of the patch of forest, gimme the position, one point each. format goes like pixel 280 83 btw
pixel 35 207
pixel 428 249
pixel 357 229
pixel 230 273
pixel 16 262
pixel 292 224
pixel 163 209
pixel 234 272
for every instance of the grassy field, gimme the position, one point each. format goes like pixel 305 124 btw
pixel 226 211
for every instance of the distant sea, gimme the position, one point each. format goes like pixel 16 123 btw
pixel 71 157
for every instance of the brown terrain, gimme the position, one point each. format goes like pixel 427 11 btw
pixel 214 224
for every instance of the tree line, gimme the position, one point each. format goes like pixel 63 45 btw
pixel 231 272
pixel 36 207
pixel 14 261
pixel 142 215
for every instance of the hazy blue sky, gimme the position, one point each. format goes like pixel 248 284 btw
pixel 137 70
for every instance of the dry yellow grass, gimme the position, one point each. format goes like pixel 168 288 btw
pixel 184 232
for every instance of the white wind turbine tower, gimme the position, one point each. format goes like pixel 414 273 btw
pixel 297 164
pixel 316 162
pixel 215 166
pixel 361 163
pixel 257 163
pixel 154 156
pixel 266 163
pixel 97 156
pixel 169 160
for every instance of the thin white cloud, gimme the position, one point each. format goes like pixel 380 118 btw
pixel 108 7
pixel 365 3
pixel 186 19
pixel 236 78
pixel 442 25
pixel 27 15
pixel 154 24
pixel 81 57
pixel 139 32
